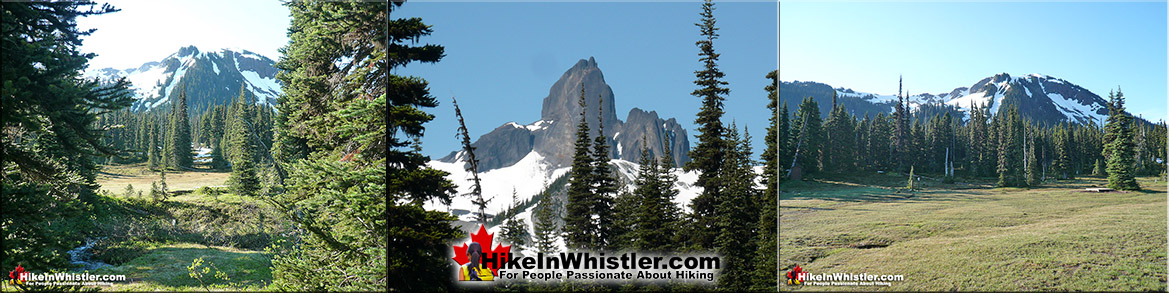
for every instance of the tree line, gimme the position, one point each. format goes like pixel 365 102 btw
pixel 1007 147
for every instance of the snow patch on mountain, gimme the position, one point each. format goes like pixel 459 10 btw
pixel 266 89
pixel 527 177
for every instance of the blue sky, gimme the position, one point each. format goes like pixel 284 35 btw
pixel 150 30
pixel 941 46
pixel 503 57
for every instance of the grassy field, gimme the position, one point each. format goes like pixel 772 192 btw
pixel 154 243
pixel 114 178
pixel 970 236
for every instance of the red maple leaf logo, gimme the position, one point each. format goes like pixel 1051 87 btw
pixel 17 274
pixel 500 251
pixel 795 276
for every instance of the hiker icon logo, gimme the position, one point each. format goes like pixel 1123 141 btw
pixel 796 276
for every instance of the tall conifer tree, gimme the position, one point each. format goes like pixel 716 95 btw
pixel 577 220
pixel 707 155
pixel 766 268
pixel 179 137
pixel 1118 148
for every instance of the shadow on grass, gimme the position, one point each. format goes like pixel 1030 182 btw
pixel 167 267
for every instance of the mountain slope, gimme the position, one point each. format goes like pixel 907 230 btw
pixel 211 78
pixel 1041 98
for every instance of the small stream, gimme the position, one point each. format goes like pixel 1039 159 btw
pixel 82 254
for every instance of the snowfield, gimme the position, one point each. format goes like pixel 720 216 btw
pixel 528 177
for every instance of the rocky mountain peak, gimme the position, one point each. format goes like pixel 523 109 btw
pixel 552 136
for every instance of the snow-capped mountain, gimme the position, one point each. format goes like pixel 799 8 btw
pixel 1042 98
pixel 210 77
pixel 552 136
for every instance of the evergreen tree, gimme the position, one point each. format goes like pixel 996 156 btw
pixel 706 157
pixel 737 215
pixel 178 153
pixel 839 134
pixel 624 222
pixel 152 155
pixel 472 166
pixel 514 229
pixel 50 131
pixel 651 212
pixel 243 180
pixel 604 183
pixel 880 143
pixel 785 143
pixel 544 221
pixel 1118 150
pixel 1032 162
pixel 808 136
pixel 1062 164
pixel 766 268
pixel 578 228
pixel 1010 146
pixel 344 132
pixel 901 131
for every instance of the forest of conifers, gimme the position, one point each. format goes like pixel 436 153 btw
pixel 1004 145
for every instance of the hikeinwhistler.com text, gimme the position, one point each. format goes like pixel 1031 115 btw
pixel 597 266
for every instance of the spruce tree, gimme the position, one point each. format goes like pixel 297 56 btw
pixel 514 229
pixel 544 221
pixel 766 268
pixel 604 183
pixel 1119 150
pixel 808 136
pixel 472 166
pixel 784 149
pixel 1010 155
pixel 706 157
pixel 179 137
pixel 737 215
pixel 1032 162
pixel 152 155
pixel 653 214
pixel 901 131
pixel 578 227
pixel 243 180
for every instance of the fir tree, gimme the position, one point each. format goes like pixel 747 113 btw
pixel 604 183
pixel 1010 144
pixel 737 215
pixel 766 268
pixel 785 154
pixel 839 133
pixel 808 136
pixel 706 157
pixel 514 229
pixel 1119 150
pixel 578 227
pixel 178 152
pixel 243 180
pixel 472 166
pixel 1032 162
pixel 901 132
pixel 152 155
pixel 544 220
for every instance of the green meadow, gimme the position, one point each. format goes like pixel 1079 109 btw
pixel 973 237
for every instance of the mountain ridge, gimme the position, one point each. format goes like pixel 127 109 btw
pixel 211 77
pixel 1041 98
